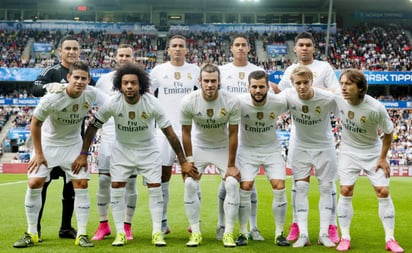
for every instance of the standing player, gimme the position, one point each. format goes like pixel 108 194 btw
pixel 313 146
pixel 234 80
pixel 171 81
pixel 135 149
pixel 124 54
pixel 215 116
pixel 259 146
pixel 361 149
pixel 324 77
pixel 55 128
pixel 50 77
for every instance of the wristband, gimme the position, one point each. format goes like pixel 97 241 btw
pixel 189 159
pixel 84 153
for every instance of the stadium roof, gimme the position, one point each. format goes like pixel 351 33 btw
pixel 204 5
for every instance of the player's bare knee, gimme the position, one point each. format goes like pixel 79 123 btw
pixel 277 184
pixel 246 185
pixel 80 184
pixel 166 173
pixel 346 191
pixel 382 192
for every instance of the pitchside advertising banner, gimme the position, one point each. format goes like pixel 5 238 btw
pixel 373 77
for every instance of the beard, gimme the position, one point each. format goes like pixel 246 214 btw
pixel 259 100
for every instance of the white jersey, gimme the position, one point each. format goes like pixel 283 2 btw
pixel 172 83
pixel 311 119
pixel 360 124
pixel 323 76
pixel 210 118
pixel 234 79
pixel 63 115
pixel 258 123
pixel 105 84
pixel 134 123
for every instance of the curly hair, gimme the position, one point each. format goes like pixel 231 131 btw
pixel 131 69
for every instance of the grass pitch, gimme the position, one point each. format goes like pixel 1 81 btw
pixel 366 230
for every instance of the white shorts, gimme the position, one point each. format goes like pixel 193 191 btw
pixel 249 162
pixel 205 156
pixel 351 165
pixel 324 163
pixel 167 154
pixel 63 157
pixel 127 161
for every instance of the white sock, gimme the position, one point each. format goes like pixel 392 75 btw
pixel 302 206
pixel 221 194
pixel 130 199
pixel 103 197
pixel 156 208
pixel 293 198
pixel 165 192
pixel 345 214
pixel 82 209
pixel 231 204
pixel 334 204
pixel 244 210
pixel 118 207
pixel 279 207
pixel 32 204
pixel 253 210
pixel 192 203
pixel 325 206
pixel 387 216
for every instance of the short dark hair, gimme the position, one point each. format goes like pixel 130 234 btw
pixel 304 35
pixel 257 75
pixel 79 65
pixel 177 36
pixel 209 68
pixel 357 77
pixel 68 37
pixel 239 35
pixel 131 69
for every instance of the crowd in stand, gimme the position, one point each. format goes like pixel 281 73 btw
pixel 363 47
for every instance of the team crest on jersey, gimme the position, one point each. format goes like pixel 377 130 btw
pixel 272 115
pixel 259 115
pixel 351 114
pixel 242 75
pixel 209 113
pixel 305 108
pixel 132 115
pixel 144 115
pixel 75 107
pixel 223 112
pixel 363 119
pixel 189 76
pixel 317 109
pixel 177 75
pixel 86 105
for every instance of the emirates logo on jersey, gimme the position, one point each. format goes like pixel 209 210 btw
pixel 132 115
pixel 75 107
pixel 305 109
pixel 177 75
pixel 351 114
pixel 209 113
pixel 259 115
pixel 242 75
